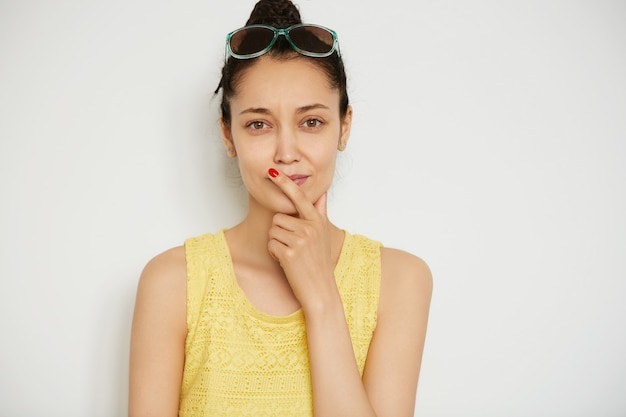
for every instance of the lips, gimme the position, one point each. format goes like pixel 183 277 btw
pixel 298 178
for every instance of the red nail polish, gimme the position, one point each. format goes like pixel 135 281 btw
pixel 273 173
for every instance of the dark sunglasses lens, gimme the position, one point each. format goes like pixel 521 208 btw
pixel 312 39
pixel 251 40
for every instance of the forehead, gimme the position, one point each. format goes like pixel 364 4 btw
pixel 296 81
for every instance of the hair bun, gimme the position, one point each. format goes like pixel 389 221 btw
pixel 276 13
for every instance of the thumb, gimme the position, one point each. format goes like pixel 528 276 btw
pixel 320 205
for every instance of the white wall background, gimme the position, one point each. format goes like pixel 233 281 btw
pixel 489 138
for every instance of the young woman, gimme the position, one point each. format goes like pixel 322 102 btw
pixel 284 314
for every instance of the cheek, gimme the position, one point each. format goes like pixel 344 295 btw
pixel 250 155
pixel 253 165
pixel 249 167
pixel 327 156
pixel 326 165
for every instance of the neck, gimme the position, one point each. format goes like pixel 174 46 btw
pixel 249 238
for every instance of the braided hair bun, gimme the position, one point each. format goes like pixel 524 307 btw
pixel 276 13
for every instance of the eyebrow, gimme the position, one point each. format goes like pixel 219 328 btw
pixel 303 109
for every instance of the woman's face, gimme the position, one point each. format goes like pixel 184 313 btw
pixel 285 115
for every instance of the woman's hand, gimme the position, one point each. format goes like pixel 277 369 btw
pixel 302 245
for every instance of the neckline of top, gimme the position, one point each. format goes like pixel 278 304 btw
pixel 249 307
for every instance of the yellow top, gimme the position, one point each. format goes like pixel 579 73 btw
pixel 242 362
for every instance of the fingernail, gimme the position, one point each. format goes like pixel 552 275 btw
pixel 273 173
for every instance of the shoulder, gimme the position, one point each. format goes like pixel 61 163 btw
pixel 161 295
pixel 400 263
pixel 168 263
pixel 404 277
pixel 164 276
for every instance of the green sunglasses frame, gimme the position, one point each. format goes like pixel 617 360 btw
pixel 284 32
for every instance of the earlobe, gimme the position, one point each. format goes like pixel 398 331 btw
pixel 227 139
pixel 346 124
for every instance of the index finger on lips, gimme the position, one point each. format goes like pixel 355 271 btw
pixel 293 192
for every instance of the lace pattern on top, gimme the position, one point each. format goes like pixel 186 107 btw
pixel 242 362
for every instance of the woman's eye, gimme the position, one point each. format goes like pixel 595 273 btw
pixel 257 125
pixel 313 123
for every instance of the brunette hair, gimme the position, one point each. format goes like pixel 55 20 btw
pixel 279 14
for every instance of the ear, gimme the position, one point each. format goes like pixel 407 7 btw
pixel 344 135
pixel 227 139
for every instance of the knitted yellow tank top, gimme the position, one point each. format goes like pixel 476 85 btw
pixel 242 362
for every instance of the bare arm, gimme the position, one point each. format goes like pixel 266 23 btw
pixel 395 355
pixel 158 337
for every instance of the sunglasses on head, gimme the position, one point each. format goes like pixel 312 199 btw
pixel 255 40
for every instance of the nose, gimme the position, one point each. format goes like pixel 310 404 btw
pixel 287 148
